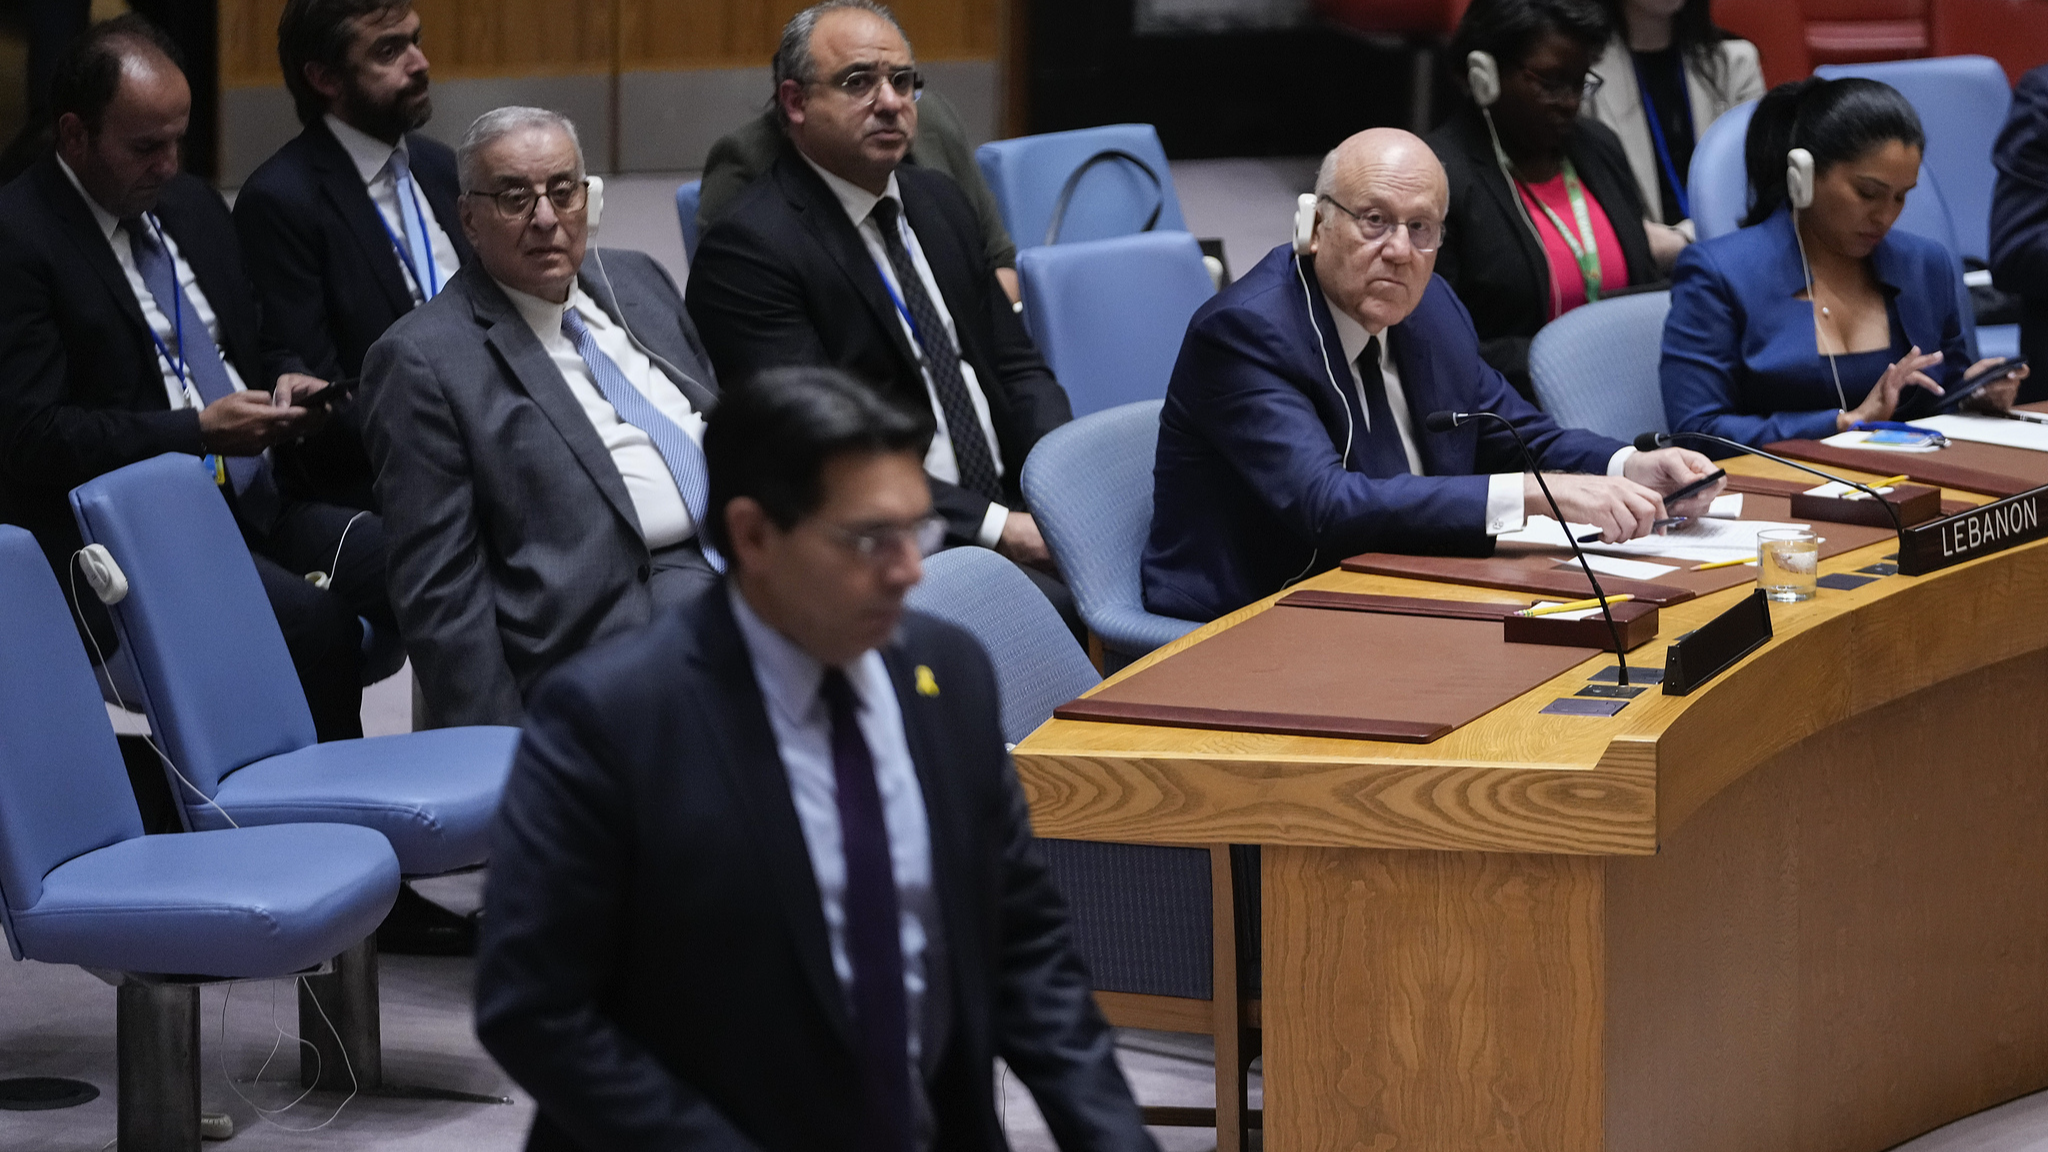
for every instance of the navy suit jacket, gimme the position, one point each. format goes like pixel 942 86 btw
pixel 319 254
pixel 1250 488
pixel 655 966
pixel 2019 218
pixel 1740 359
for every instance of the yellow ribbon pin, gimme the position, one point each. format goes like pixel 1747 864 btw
pixel 927 684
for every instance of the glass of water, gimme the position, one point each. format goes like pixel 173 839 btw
pixel 1788 564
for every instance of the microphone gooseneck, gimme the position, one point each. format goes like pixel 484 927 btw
pixel 1445 421
pixel 1651 441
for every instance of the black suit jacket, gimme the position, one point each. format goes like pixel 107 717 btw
pixel 1490 258
pixel 655 966
pixel 81 391
pixel 330 281
pixel 783 278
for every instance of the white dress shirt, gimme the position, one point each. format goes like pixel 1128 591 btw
pixel 789 679
pixel 179 391
pixel 939 460
pixel 372 158
pixel 664 519
pixel 1504 511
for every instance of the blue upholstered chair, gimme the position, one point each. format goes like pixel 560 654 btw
pixel 1089 485
pixel 225 705
pixel 1160 927
pixel 1109 315
pixel 1595 367
pixel 1718 184
pixel 80 883
pixel 1082 185
pixel 687 198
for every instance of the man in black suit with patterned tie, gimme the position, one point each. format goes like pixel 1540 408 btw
pixel 763 876
pixel 842 254
pixel 353 223
pixel 128 329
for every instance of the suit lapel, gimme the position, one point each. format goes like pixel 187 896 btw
pixel 537 375
pixel 640 323
pixel 1419 386
pixel 755 772
pixel 435 178
pixel 826 219
pixel 343 187
pixel 82 229
pixel 924 725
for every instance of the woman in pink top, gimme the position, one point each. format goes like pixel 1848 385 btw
pixel 1545 214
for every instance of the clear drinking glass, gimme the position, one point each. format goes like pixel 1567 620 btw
pixel 1788 564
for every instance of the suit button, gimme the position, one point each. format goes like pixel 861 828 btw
pixel 644 573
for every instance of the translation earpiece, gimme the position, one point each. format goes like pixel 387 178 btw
pixel 1799 178
pixel 1482 76
pixel 596 204
pixel 1304 222
pixel 104 576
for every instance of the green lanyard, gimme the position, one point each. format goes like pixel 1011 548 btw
pixel 1584 246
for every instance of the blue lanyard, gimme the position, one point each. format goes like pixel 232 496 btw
pixel 427 287
pixel 1657 136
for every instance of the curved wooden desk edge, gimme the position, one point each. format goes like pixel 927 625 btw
pixel 1608 787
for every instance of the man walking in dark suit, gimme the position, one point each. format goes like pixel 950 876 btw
pixel 352 224
pixel 128 329
pixel 844 255
pixel 763 875
pixel 535 429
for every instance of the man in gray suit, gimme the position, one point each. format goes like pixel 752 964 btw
pixel 536 432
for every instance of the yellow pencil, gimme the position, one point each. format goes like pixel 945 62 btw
pixel 1721 564
pixel 1889 481
pixel 1571 606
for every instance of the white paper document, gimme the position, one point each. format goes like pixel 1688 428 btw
pixel 1989 430
pixel 1626 569
pixel 1576 614
pixel 1727 506
pixel 1701 541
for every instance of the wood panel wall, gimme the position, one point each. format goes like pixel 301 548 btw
pixel 501 38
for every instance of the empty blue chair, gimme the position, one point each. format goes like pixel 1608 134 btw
pixel 1109 315
pixel 80 883
pixel 687 198
pixel 1595 367
pixel 1089 485
pixel 1143 916
pixel 1718 183
pixel 1082 185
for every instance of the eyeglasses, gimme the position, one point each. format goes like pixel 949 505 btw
pixel 877 542
pixel 518 203
pixel 1375 225
pixel 1566 91
pixel 863 85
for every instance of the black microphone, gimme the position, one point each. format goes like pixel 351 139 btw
pixel 1651 441
pixel 1445 421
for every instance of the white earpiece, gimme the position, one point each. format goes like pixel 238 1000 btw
pixel 1799 178
pixel 1304 222
pixel 105 577
pixel 595 210
pixel 1482 76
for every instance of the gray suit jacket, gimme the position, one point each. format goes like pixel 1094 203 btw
pixel 513 542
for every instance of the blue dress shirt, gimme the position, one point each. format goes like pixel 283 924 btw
pixel 1740 358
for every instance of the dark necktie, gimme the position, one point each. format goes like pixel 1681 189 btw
pixel 873 931
pixel 1381 454
pixel 254 486
pixel 684 458
pixel 970 446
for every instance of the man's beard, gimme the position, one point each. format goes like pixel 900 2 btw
pixel 403 113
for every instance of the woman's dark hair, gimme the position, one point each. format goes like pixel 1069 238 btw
pixel 770 439
pixel 1836 120
pixel 1508 29
pixel 88 74
pixel 1693 33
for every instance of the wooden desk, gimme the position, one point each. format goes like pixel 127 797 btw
pixel 1804 908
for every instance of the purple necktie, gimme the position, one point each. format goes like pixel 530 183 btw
pixel 874 943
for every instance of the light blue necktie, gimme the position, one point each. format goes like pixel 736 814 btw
pixel 255 487
pixel 418 246
pixel 684 458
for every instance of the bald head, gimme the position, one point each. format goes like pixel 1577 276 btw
pixel 1375 193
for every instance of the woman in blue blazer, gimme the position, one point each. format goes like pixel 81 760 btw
pixel 1815 315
